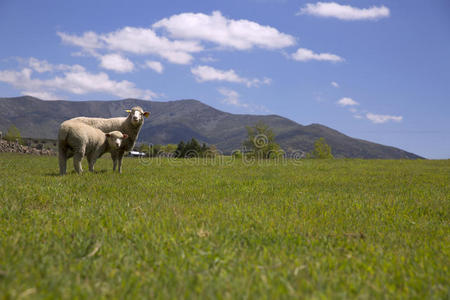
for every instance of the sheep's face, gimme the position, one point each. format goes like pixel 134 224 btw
pixel 137 114
pixel 115 139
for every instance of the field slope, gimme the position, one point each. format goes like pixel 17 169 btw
pixel 194 229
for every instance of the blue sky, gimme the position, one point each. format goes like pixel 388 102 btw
pixel 375 70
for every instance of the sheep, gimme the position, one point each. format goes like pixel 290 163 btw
pixel 130 125
pixel 78 140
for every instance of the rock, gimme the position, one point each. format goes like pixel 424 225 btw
pixel 15 147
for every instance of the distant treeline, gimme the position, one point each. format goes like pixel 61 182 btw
pixel 188 149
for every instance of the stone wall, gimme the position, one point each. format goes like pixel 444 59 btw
pixel 15 147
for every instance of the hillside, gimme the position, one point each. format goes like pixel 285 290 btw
pixel 173 121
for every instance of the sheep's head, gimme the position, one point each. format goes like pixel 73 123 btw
pixel 136 115
pixel 115 139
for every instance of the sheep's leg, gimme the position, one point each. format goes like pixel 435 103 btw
pixel 62 160
pixel 120 161
pixel 114 159
pixel 77 157
pixel 91 162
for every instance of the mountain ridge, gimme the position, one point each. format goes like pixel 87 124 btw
pixel 177 120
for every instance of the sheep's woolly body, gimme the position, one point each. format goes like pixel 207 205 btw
pixel 122 124
pixel 78 140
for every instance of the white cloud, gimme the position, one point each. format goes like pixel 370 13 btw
pixel 344 12
pixel 187 32
pixel 208 59
pixel 135 40
pixel 347 102
pixel 42 66
pixel 303 54
pixel 88 41
pixel 379 119
pixel 232 98
pixel 215 28
pixel 335 84
pixel 155 66
pixel 207 73
pixel 362 113
pixel 74 81
pixel 42 95
pixel 145 41
pixel 116 62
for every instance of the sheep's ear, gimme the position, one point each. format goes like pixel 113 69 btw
pixel 108 134
pixel 125 136
pixel 146 114
pixel 128 110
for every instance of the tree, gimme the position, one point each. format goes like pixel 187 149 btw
pixel 155 150
pixel 13 134
pixel 145 149
pixel 261 141
pixel 181 149
pixel 321 149
pixel 204 149
pixel 237 154
pixel 169 148
pixel 193 148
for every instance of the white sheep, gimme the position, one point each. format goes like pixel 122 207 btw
pixel 130 125
pixel 78 140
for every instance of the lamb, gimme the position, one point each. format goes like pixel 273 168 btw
pixel 130 125
pixel 78 140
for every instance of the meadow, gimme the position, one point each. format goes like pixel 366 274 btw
pixel 168 228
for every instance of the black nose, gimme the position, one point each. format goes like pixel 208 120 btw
pixel 135 118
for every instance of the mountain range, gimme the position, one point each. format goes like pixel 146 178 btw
pixel 173 121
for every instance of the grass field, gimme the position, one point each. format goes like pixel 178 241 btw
pixel 186 229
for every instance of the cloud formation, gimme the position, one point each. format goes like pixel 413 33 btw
pixel 215 28
pixel 303 55
pixel 207 73
pixel 187 31
pixel 344 12
pixel 42 95
pixel 347 102
pixel 116 62
pixel 89 40
pixel 135 40
pixel 232 98
pixel 155 66
pixel 335 84
pixel 75 81
pixel 379 119
pixel 43 66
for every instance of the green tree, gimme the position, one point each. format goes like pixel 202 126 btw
pixel 237 154
pixel 155 150
pixel 145 149
pixel 321 149
pixel 13 134
pixel 169 148
pixel 181 149
pixel 204 149
pixel 261 141
pixel 193 148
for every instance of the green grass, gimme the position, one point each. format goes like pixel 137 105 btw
pixel 180 229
